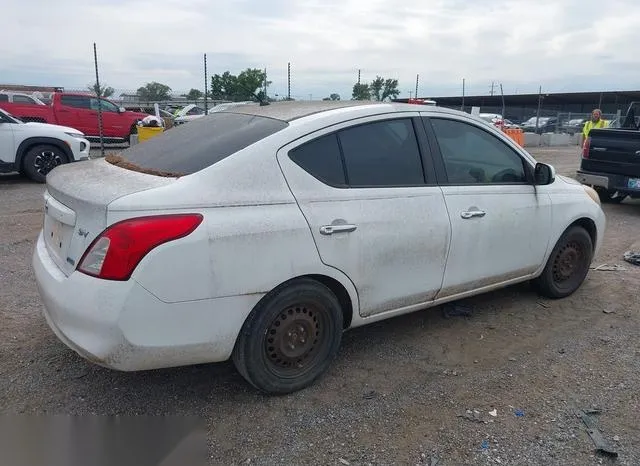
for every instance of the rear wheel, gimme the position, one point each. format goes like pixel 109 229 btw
pixel 40 160
pixel 290 338
pixel 568 264
pixel 610 195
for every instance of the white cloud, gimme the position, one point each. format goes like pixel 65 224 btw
pixel 562 45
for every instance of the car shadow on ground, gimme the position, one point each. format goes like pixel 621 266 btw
pixel 399 340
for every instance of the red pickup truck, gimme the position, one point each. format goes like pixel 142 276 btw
pixel 80 111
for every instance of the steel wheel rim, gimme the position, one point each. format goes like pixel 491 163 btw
pixel 46 161
pixel 567 262
pixel 294 341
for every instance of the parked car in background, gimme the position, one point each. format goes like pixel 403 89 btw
pixel 19 98
pixel 508 124
pixel 260 233
pixel 498 120
pixel 493 118
pixel 187 114
pixel 227 105
pixel 166 116
pixel 545 125
pixel 573 126
pixel 81 111
pixel 34 149
pixel 611 159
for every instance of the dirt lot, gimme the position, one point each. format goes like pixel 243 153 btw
pixel 397 391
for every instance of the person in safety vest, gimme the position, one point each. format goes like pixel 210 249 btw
pixel 595 122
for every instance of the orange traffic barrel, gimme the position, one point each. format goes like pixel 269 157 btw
pixel 516 134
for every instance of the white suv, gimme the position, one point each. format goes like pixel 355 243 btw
pixel 34 149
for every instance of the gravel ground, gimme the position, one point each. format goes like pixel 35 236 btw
pixel 403 391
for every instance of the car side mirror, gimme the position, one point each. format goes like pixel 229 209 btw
pixel 121 109
pixel 544 174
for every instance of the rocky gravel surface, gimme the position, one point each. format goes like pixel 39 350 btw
pixel 500 385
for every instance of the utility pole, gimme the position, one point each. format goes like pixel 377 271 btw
pixel 462 106
pixel 289 81
pixel 410 94
pixel 265 84
pixel 358 76
pixel 205 84
pixel 492 84
pixel 539 103
pixel 502 94
pixel 417 78
pixel 95 61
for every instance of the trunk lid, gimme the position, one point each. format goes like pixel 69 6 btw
pixel 76 202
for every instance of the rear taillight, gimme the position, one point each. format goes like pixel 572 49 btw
pixel 118 250
pixel 585 148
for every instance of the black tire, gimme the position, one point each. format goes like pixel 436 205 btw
pixel 609 196
pixel 40 160
pixel 133 130
pixel 568 264
pixel 274 352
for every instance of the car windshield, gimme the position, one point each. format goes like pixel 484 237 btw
pixel 186 149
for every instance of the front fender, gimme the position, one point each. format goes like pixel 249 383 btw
pixel 34 141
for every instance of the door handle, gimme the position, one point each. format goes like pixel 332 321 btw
pixel 331 229
pixel 467 214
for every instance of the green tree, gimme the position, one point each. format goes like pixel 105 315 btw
pixel 101 91
pixel 332 97
pixel 383 89
pixel 245 86
pixel 361 92
pixel 154 91
pixel 193 94
pixel 376 87
pixel 390 89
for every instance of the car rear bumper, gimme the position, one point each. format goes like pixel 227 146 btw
pixel 608 181
pixel 122 326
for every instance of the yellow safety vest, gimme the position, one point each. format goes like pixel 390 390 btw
pixel 589 125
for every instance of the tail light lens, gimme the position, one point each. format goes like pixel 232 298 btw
pixel 585 148
pixel 118 250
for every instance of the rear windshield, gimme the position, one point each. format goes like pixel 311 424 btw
pixel 197 144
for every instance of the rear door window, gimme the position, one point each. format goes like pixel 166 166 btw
pixel 384 153
pixel 198 144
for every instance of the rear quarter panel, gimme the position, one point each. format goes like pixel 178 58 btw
pixel 254 236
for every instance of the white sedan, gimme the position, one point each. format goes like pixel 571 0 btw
pixel 260 233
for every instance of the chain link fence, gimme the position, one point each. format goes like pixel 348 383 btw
pixel 131 105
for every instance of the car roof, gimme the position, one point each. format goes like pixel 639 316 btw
pixel 289 111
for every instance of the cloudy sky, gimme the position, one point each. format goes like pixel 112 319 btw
pixel 563 45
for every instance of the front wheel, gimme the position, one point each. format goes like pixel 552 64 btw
pixel 290 338
pixel 40 160
pixel 568 264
